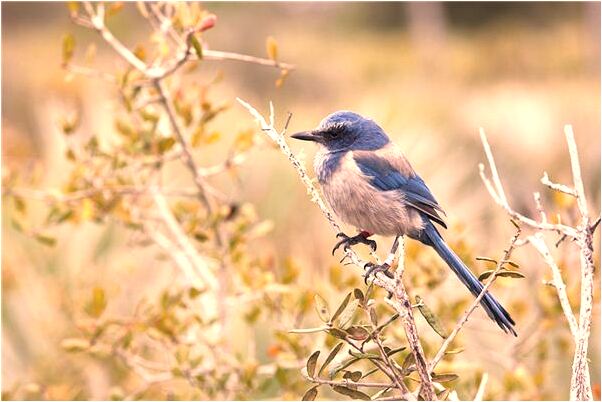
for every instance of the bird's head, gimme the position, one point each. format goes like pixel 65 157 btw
pixel 345 130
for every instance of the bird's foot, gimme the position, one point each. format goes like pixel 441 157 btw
pixel 373 269
pixel 347 241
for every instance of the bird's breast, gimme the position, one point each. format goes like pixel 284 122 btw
pixel 351 196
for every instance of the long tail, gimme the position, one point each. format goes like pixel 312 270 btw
pixel 494 309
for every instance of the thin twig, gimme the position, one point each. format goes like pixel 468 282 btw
pixel 182 240
pixel 481 391
pixel 496 190
pixel 540 245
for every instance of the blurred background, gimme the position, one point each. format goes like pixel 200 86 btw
pixel 430 74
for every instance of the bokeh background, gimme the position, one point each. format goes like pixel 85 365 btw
pixel 431 74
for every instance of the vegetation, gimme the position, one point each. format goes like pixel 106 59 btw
pixel 190 291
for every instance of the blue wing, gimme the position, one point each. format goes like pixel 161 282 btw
pixel 386 176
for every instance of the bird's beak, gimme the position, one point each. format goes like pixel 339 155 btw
pixel 307 136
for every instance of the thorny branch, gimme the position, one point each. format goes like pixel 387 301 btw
pixel 400 300
pixel 582 234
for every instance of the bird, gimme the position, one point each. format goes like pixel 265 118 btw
pixel 369 184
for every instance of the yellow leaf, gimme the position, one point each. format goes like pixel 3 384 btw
pixel 213 137
pixel 68 48
pixel 271 47
pixel 73 7
pixel 244 140
pixel 87 210
pixel 97 304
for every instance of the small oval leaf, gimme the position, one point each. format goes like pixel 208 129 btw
pixel 311 363
pixel 358 333
pixel 341 308
pixel 510 274
pixel 330 356
pixel 348 313
pixel 431 318
pixel 354 376
pixel 322 308
pixel 353 393
pixel 440 378
pixel 337 333
pixel 310 394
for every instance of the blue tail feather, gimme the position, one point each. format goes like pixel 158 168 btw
pixel 431 237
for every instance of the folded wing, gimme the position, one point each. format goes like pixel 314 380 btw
pixel 391 171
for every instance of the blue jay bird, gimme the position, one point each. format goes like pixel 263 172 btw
pixel 368 183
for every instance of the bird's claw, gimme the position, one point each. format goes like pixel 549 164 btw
pixel 373 269
pixel 347 241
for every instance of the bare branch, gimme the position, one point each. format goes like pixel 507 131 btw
pixel 481 391
pixel 496 191
pixel 209 54
pixel 182 240
pixel 186 152
pixel 540 245
pixel 545 180
pixel 580 388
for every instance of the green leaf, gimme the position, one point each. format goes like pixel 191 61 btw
pixel 343 365
pixel 512 263
pixel 486 259
pixel 193 292
pixel 97 304
pixel 354 376
pixel 485 274
pixel 440 378
pixel 322 308
pixel 510 274
pixel 75 344
pixel 68 48
pixel 45 239
pixel 165 144
pixel 391 352
pixel 373 316
pixel 196 45
pixel 348 313
pixel 341 308
pixel 408 362
pixel 310 394
pixel 353 393
pixel 331 355
pixel 431 318
pixel 357 293
pixel 311 363
pixel 365 355
pixel 454 351
pixel 358 333
pixel 502 273
pixel 337 333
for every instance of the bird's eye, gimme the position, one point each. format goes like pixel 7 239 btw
pixel 334 133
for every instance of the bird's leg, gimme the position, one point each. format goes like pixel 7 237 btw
pixel 361 237
pixel 372 269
